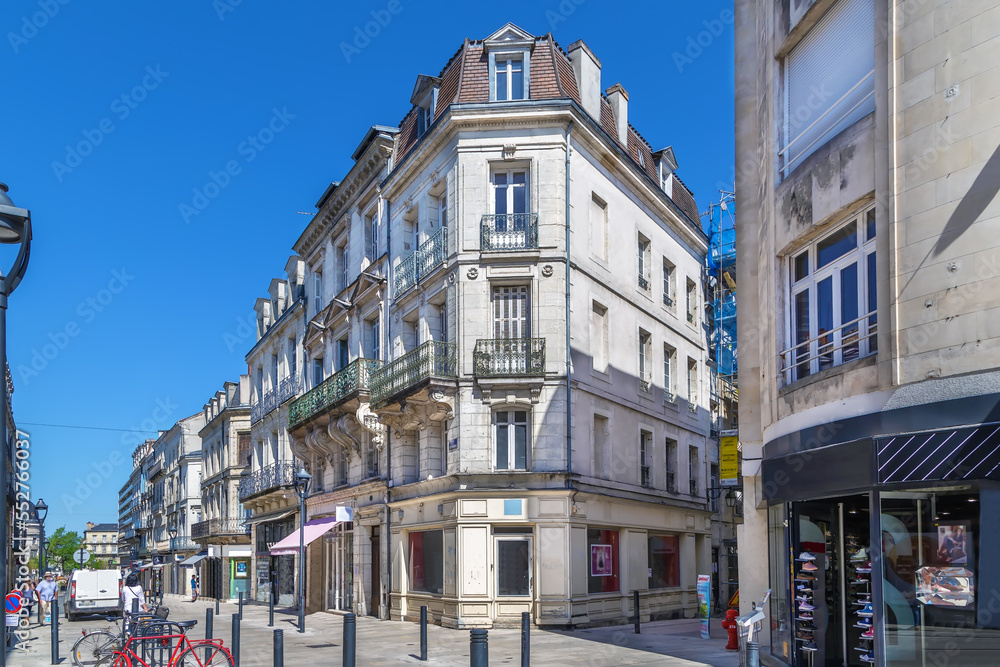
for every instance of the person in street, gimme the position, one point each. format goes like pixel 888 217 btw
pixel 46 592
pixel 194 588
pixel 132 591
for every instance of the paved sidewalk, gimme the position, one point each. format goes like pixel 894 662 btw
pixel 380 643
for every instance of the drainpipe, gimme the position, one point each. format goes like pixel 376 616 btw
pixel 387 538
pixel 569 360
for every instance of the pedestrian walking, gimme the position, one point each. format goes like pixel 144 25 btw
pixel 194 587
pixel 46 592
pixel 28 595
pixel 132 591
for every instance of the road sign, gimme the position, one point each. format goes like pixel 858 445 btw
pixel 81 555
pixel 13 603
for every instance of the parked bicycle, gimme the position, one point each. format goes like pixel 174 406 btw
pixel 166 644
pixel 94 646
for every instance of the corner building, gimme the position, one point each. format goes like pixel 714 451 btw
pixel 507 405
pixel 867 138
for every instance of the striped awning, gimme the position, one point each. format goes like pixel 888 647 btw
pixel 967 453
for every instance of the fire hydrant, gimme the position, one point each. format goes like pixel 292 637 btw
pixel 729 625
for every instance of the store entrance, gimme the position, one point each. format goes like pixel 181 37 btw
pixel 831 583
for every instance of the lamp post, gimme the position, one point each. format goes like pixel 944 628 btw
pixel 41 511
pixel 15 227
pixel 302 480
pixel 173 561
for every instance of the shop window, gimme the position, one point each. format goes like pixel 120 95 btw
pixel 513 567
pixel 427 562
pixel 664 561
pixel 602 549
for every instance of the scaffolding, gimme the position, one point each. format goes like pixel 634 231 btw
pixel 720 283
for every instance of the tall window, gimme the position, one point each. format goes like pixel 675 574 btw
pixel 373 228
pixel 713 482
pixel 509 79
pixel 510 312
pixel 274 370
pixel 317 292
pixel 342 261
pixel 692 383
pixel 668 284
pixel 510 438
pixel 832 318
pixel 371 458
pixel 598 227
pixel 599 337
pixel 292 362
pixel 643 259
pixel 375 337
pixel 669 359
pixel 664 561
pixel 671 464
pixel 645 443
pixel 693 471
pixel 343 353
pixel 829 80
pixel 426 551
pixel 317 371
pixel 692 301
pixel 341 468
pixel 601 452
pixel 644 360
pixel 602 550
pixel 510 193
pixel 423 119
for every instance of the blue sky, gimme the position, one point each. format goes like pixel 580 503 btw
pixel 133 310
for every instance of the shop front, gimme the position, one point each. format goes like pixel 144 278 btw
pixel 275 574
pixel 880 550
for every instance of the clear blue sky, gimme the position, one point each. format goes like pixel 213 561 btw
pixel 147 298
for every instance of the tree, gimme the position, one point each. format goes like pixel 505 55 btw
pixel 62 544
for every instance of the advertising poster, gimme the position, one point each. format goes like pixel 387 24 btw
pixel 729 461
pixel 946 586
pixel 704 602
pixel 953 544
pixel 241 569
pixel 600 560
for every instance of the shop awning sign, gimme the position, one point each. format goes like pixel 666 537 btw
pixel 729 460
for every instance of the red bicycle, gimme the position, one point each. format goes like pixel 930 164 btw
pixel 152 647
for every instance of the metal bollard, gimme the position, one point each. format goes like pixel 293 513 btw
pixel 235 648
pixel 525 639
pixel 350 628
pixel 753 655
pixel 635 605
pixel 208 632
pixel 279 648
pixel 55 631
pixel 216 606
pixel 270 612
pixel 479 649
pixel 423 632
pixel 241 605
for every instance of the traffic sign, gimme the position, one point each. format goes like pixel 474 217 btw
pixel 81 555
pixel 13 603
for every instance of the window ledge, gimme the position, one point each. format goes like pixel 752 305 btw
pixel 863 362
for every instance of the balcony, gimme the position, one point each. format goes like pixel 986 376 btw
pixel 183 543
pixel 289 387
pixel 428 256
pixel 509 232
pixel 509 357
pixel 433 359
pixel 643 283
pixel 272 477
pixel 354 378
pixel 225 527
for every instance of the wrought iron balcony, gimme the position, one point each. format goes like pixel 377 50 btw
pixel 266 479
pixel 690 317
pixel 349 380
pixel 501 357
pixel 428 256
pixel 290 387
pixel 668 301
pixel 264 406
pixel 643 283
pixel 183 543
pixel 509 231
pixel 225 527
pixel 644 386
pixel 431 359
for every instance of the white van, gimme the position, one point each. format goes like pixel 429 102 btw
pixel 93 592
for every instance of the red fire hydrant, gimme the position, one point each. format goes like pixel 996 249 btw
pixel 729 625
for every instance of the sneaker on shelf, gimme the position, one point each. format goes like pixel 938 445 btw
pixel 865 622
pixel 805 606
pixel 868 634
pixel 805 555
pixel 805 576
pixel 868 657
pixel 861 554
pixel 809 646
pixel 809 567
pixel 805 616
pixel 802 634
pixel 804 587
pixel 866 610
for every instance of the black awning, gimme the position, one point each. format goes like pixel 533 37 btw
pixel 967 453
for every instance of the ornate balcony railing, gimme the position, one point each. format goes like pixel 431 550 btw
pixel 422 262
pixel 355 376
pixel 509 357
pixel 510 231
pixel 226 526
pixel 431 359
pixel 183 543
pixel 266 479
pixel 289 387
pixel 643 283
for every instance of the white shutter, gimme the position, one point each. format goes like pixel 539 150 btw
pixel 829 79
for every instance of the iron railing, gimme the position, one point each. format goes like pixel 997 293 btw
pixel 690 316
pixel 290 387
pixel 273 476
pixel 427 257
pixel 183 543
pixel 510 231
pixel 643 283
pixel 265 406
pixel 645 387
pixel 220 527
pixel 352 378
pixel 668 301
pixel 852 340
pixel 668 397
pixel 431 359
pixel 509 357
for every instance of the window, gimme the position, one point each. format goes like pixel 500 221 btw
pixel 341 468
pixel 829 80
pixel 442 323
pixel 671 464
pixel 669 359
pixel 600 434
pixel 713 482
pixel 832 318
pixel 513 567
pixel 343 354
pixel 375 337
pixel 274 370
pixel 644 360
pixel 424 119
pixel 371 457
pixel 602 550
pixel 668 284
pixel 692 382
pixel 442 203
pixel 599 337
pixel 693 471
pixel 692 301
pixel 645 444
pixel 510 312
pixel 664 561
pixel 342 260
pixel 317 371
pixel 427 561
pixel 598 227
pixel 510 195
pixel 317 292
pixel 510 439
pixel 292 362
pixel 509 79
pixel 372 229
pixel 643 257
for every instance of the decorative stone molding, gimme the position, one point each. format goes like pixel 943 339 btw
pixel 371 422
pixel 451 278
pixel 418 412
pixel 472 273
pixel 547 270
pixel 508 151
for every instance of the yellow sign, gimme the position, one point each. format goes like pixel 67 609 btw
pixel 735 600
pixel 729 460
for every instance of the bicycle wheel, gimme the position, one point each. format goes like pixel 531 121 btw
pixel 204 655
pixel 116 659
pixel 92 647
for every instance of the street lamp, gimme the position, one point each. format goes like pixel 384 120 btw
pixel 41 511
pixel 173 561
pixel 302 479
pixel 15 227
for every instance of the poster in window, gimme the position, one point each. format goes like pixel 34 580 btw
pixel 600 560
pixel 946 586
pixel 953 544
pixel 241 569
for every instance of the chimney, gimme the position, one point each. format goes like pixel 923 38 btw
pixel 587 69
pixel 90 525
pixel 618 99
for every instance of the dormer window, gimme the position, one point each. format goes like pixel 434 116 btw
pixel 508 79
pixel 424 98
pixel 509 52
pixel 424 116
